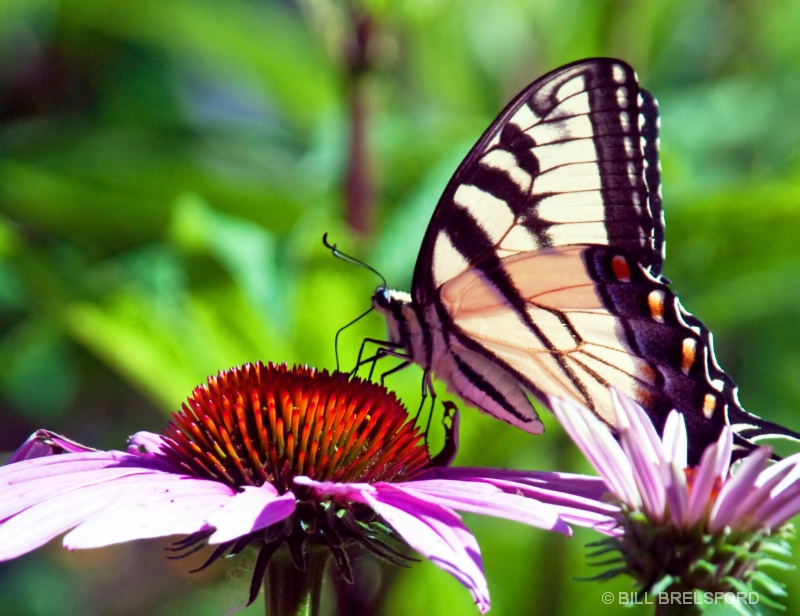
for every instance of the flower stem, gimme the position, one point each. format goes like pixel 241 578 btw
pixel 289 591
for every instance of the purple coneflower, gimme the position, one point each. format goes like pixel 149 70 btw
pixel 706 528
pixel 300 464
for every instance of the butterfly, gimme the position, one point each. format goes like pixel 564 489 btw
pixel 540 271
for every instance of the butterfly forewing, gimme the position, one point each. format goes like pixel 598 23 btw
pixel 540 270
pixel 572 160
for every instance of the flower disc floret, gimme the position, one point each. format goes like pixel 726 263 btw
pixel 261 424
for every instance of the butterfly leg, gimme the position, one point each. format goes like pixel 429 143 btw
pixel 384 348
pixel 405 364
pixel 428 391
pixel 391 349
pixel 450 420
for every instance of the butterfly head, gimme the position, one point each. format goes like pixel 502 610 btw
pixel 397 309
pixel 386 301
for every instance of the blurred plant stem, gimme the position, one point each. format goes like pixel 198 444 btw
pixel 359 188
pixel 289 591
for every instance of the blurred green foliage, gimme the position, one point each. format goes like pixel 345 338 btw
pixel 167 170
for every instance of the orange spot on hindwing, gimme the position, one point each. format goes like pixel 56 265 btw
pixel 622 270
pixel 655 301
pixel 709 406
pixel 689 354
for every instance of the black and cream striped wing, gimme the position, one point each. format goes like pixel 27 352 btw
pixel 540 269
pixel 572 160
pixel 592 318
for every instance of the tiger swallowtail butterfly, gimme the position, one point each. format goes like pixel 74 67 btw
pixel 540 270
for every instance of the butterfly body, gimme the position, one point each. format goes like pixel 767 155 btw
pixel 418 331
pixel 540 271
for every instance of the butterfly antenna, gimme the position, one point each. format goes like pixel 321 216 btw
pixel 345 257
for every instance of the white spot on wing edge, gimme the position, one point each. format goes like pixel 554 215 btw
pixel 628 147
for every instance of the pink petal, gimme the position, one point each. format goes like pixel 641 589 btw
pixel 645 451
pixel 778 510
pixel 26 483
pixel 105 506
pixel 144 507
pixel 575 498
pixel 713 467
pixel 107 497
pixel 732 504
pixel 351 491
pixel 725 447
pixel 485 499
pixel 39 524
pixel 673 454
pixel 146 444
pixel 779 467
pixel 584 487
pixel 250 510
pixel 676 493
pixel 769 496
pixel 675 440
pixel 437 534
pixel 595 441
pixel 572 509
pixel 632 417
pixel 45 443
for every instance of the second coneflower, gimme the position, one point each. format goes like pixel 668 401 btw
pixel 710 528
pixel 298 463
